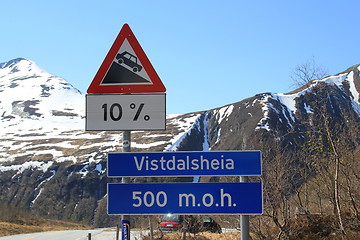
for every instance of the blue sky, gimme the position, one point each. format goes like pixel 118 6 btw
pixel 207 53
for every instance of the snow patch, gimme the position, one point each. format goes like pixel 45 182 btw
pixel 147 145
pixel 288 101
pixel 224 113
pixel 356 96
pixel 186 125
pixel 206 146
pixel 33 165
pixel 263 123
pixel 354 92
pixel 308 108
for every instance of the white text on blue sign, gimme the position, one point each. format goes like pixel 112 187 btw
pixel 247 163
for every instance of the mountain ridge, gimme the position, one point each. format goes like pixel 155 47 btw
pixel 49 164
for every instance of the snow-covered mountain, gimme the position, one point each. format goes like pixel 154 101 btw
pixel 43 117
pixel 43 134
pixel 51 165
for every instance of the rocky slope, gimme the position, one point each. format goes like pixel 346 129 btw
pixel 48 163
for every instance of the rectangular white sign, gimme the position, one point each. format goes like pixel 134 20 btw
pixel 125 112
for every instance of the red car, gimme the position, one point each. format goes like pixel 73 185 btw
pixel 171 223
pixel 189 223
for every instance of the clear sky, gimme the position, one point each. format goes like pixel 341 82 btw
pixel 208 53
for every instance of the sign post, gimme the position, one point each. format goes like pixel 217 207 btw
pixel 111 103
pixel 126 147
pixel 244 219
pixel 116 101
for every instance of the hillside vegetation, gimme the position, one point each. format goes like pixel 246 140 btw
pixel 15 220
pixel 309 139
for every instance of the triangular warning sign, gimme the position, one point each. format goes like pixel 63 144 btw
pixel 126 69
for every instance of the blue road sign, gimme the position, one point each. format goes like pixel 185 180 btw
pixel 185 198
pixel 211 163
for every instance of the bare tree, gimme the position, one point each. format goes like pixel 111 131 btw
pixel 278 183
pixel 324 136
pixel 307 72
pixel 329 149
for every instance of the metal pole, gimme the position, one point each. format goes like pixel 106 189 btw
pixel 244 219
pixel 151 228
pixel 117 230
pixel 126 147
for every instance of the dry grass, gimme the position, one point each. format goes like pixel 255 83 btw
pixel 199 236
pixel 40 225
pixel 18 220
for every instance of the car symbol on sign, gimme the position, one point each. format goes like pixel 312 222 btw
pixel 129 60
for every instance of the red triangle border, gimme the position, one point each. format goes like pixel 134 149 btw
pixel 156 87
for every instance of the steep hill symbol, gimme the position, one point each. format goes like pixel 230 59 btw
pixel 124 70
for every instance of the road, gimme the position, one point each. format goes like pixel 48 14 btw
pixel 96 234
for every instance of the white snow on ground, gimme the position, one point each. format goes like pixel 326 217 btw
pixel 354 92
pixel 43 166
pixel 43 121
pixel 42 115
pixel 308 108
pixel 263 123
pixel 26 88
pixel 40 184
pixel 185 124
pixel 288 101
pixel 224 113
pixel 206 145
pixel 37 196
pixel 54 118
pixel 148 145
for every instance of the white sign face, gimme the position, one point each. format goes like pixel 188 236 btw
pixel 125 112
